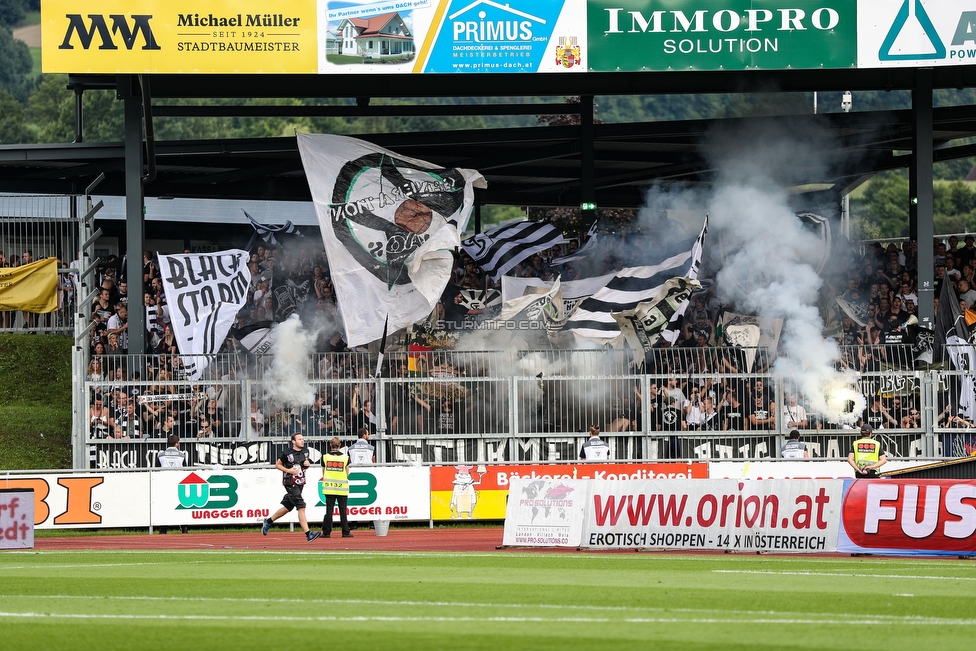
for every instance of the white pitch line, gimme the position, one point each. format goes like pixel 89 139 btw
pixel 803 621
pixel 850 574
pixel 327 553
pixel 454 604
pixel 87 565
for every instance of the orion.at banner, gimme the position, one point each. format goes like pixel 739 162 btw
pixel 769 515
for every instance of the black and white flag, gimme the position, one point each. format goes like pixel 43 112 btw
pixel 642 327
pixel 267 233
pixel 500 249
pixel 204 291
pixel 593 319
pixel 390 225
pixel 954 340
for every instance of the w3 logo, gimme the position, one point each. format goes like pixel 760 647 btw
pixel 120 27
pixel 218 492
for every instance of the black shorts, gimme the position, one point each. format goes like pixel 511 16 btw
pixel 293 498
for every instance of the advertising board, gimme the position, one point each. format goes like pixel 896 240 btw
pixel 211 496
pixel 361 37
pixel 16 518
pixel 769 515
pixel 465 492
pixel 909 516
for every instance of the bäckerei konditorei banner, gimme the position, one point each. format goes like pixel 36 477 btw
pixel 204 292
pixel 390 225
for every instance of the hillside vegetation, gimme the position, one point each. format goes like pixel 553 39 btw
pixel 35 402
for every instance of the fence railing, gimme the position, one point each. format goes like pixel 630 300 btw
pixel 41 226
pixel 460 406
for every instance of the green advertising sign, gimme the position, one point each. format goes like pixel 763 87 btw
pixel 647 35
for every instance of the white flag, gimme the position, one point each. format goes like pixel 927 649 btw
pixel 204 292
pixel 390 225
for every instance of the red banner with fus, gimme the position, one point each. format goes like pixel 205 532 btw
pixel 921 515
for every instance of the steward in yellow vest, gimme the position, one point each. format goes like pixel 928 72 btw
pixel 335 487
pixel 866 456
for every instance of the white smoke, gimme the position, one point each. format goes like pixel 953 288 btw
pixel 286 381
pixel 767 260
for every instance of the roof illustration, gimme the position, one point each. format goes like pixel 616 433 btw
pixel 496 5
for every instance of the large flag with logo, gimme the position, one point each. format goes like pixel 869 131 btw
pixel 497 251
pixel 390 225
pixel 204 293
pixel 593 319
pixel 30 287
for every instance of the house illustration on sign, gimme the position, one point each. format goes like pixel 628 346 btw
pixel 373 38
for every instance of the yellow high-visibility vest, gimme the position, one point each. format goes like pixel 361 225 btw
pixel 867 451
pixel 335 481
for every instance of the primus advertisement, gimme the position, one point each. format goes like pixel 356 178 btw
pixel 358 37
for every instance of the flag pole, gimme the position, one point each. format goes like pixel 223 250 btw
pixel 379 357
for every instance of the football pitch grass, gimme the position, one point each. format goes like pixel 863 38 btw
pixel 239 599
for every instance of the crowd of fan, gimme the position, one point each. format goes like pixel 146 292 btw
pixel 162 400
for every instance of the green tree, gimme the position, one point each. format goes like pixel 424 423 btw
pixel 885 204
pixel 13 130
pixel 51 110
pixel 15 65
pixel 12 12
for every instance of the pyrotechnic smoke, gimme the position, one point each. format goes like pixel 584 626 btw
pixel 286 382
pixel 768 268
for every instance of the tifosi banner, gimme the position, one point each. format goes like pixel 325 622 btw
pixel 204 292
pixel 30 287
pixel 390 225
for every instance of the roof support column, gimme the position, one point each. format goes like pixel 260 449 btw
pixel 134 217
pixel 922 198
pixel 587 163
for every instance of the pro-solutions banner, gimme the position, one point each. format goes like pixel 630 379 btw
pixel 204 291
pixel 390 225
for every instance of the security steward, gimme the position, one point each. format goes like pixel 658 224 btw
pixel 867 455
pixel 335 487
pixel 595 448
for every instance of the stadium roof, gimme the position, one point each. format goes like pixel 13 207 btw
pixel 542 166
pixel 524 166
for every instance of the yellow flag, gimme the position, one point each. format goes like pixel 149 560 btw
pixel 30 287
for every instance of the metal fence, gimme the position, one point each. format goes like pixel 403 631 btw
pixel 493 406
pixel 40 227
